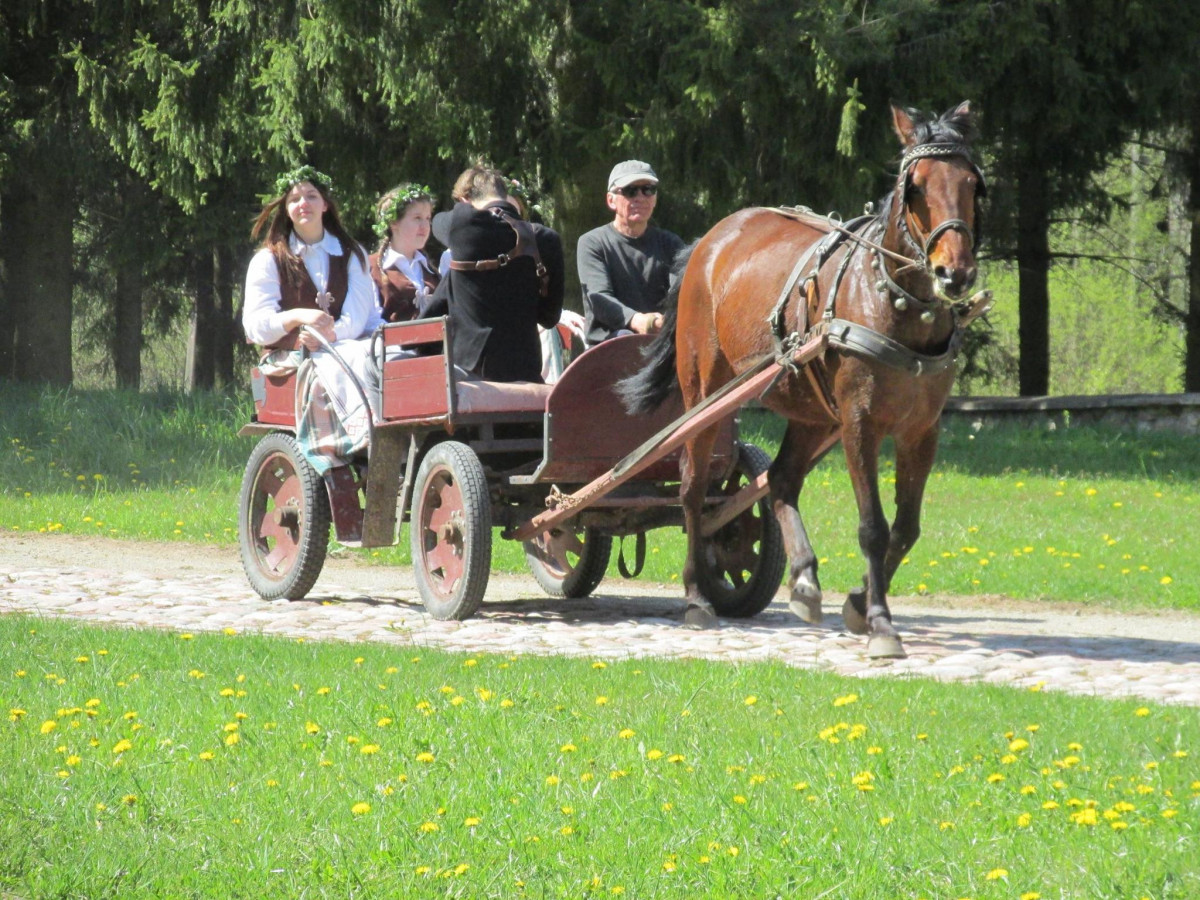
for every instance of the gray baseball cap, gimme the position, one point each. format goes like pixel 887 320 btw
pixel 628 172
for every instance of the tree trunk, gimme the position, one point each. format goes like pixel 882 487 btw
pixel 6 318
pixel 38 215
pixel 1033 261
pixel 200 346
pixel 1191 338
pixel 126 349
pixel 224 333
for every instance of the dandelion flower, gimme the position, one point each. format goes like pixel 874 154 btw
pixel 626 733
pixel 48 726
pixel 369 749
pixel 430 827
pixel 122 745
pixel 552 780
pixel 996 874
pixel 653 754
pixel 360 809
pixel 471 821
pixel 425 757
pixel 845 700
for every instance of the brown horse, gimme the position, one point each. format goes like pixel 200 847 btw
pixel 890 294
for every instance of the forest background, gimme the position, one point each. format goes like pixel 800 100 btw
pixel 137 139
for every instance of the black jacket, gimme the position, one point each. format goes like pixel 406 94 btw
pixel 495 313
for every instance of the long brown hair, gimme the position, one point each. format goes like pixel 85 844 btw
pixel 274 221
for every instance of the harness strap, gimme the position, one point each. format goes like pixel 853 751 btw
pixel 865 343
pixel 639 556
pixel 526 245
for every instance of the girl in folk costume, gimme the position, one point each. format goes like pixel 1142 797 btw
pixel 309 271
pixel 401 270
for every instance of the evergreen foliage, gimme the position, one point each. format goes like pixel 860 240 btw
pixel 136 138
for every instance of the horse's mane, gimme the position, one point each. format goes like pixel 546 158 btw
pixel 951 127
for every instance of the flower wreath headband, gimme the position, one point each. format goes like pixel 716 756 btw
pixel 410 193
pixel 288 180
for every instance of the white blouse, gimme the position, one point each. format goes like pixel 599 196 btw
pixel 261 315
pixel 413 269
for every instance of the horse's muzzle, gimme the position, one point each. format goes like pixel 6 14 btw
pixel 954 282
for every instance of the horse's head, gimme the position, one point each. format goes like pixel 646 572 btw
pixel 936 197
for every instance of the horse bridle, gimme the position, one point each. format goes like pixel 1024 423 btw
pixel 924 248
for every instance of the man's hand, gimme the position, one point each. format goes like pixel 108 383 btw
pixel 645 323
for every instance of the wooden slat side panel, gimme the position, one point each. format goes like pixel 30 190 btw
pixel 278 406
pixel 414 388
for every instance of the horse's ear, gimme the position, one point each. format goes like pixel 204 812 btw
pixel 963 109
pixel 903 124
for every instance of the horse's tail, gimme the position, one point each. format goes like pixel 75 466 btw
pixel 657 379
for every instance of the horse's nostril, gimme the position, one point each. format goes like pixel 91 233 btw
pixel 941 273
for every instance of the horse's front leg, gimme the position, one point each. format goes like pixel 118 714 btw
pixel 914 462
pixel 870 607
pixel 693 489
pixel 801 447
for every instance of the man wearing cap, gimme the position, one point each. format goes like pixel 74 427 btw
pixel 625 264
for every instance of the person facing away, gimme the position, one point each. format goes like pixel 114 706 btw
pixel 400 269
pixel 625 264
pixel 498 291
pixel 308 271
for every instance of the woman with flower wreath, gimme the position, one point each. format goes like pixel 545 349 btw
pixel 400 268
pixel 310 272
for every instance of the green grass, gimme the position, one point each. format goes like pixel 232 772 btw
pixel 155 764
pixel 1077 514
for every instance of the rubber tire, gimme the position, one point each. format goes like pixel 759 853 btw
pixel 277 470
pixel 755 593
pixel 451 472
pixel 579 579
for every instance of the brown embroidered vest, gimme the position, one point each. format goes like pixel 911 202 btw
pixel 297 291
pixel 397 293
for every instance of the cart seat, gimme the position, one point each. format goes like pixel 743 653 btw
pixel 476 397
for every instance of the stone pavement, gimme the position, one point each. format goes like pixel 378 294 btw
pixel 1155 658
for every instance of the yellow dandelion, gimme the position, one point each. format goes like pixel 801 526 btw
pixel 207 755
pixel 48 726
pixel 845 700
pixel 312 727
pixel 653 754
pixel 1031 895
pixel 601 701
pixel 471 821
pixel 231 739
pixel 626 733
pixel 425 757
pixel 506 704
pixel 567 748
pixel 369 749
pixel 122 745
pixel 996 874
pixel 360 809
pixel 739 799
pixel 1018 745
pixel 430 827
pixel 552 780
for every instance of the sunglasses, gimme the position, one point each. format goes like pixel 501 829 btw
pixel 631 191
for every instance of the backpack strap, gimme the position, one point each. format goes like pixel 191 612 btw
pixel 526 245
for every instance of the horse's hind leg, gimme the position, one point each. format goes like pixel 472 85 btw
pixel 862 444
pixel 801 446
pixel 693 489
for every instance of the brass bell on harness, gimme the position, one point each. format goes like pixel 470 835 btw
pixel 901 303
pixel 927 317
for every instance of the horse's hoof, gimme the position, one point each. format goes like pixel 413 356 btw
pixel 855 622
pixel 808 609
pixel 700 617
pixel 885 646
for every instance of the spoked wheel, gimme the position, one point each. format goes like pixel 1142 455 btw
pixel 740 567
pixel 283 520
pixel 451 531
pixel 569 563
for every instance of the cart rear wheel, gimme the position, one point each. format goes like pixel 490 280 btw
pixel 740 568
pixel 283 520
pixel 567 562
pixel 451 531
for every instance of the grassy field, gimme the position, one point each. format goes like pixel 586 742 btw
pixel 139 764
pixel 1076 514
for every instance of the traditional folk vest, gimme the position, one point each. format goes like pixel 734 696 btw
pixel 397 293
pixel 300 293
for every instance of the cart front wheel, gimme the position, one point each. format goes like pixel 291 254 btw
pixel 283 520
pixel 569 563
pixel 451 531
pixel 740 568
